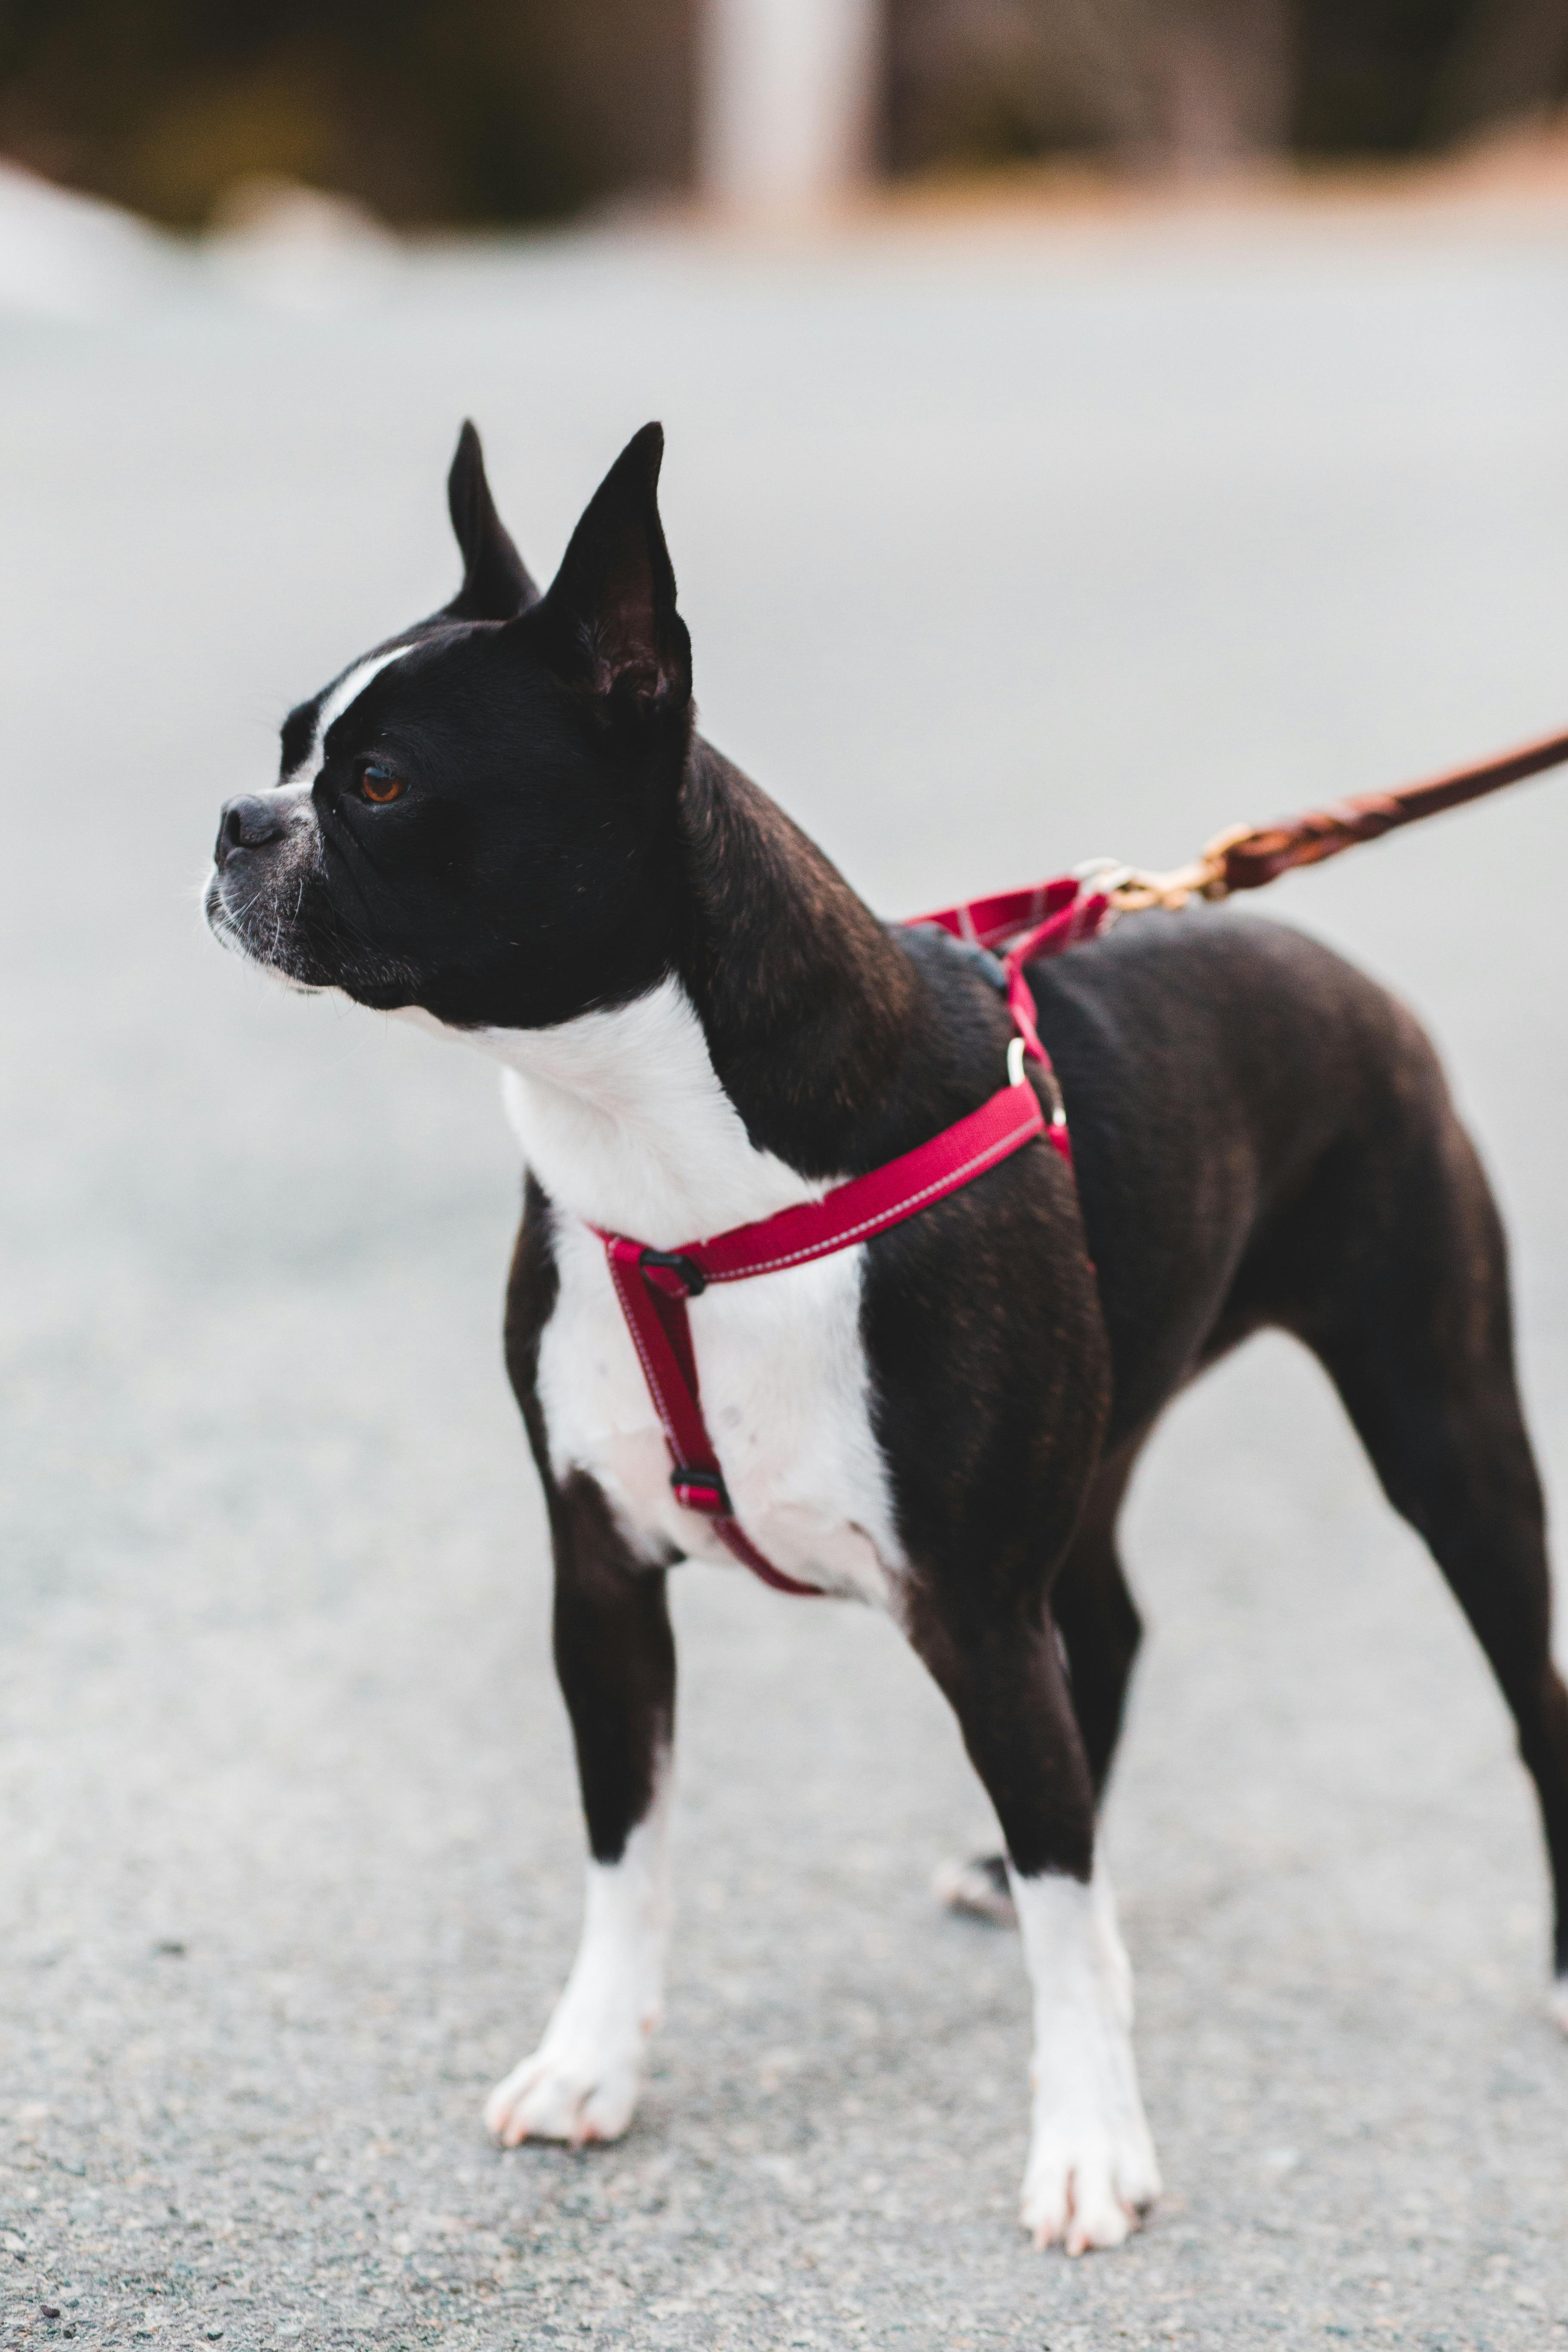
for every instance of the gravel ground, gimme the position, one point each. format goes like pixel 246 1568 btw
pixel 1002 543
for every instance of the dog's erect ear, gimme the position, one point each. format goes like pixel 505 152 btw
pixel 609 618
pixel 496 584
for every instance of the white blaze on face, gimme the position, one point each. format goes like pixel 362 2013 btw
pixel 251 908
pixel 334 702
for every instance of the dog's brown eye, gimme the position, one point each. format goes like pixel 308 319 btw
pixel 380 783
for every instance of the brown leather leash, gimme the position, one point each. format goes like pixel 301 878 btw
pixel 1246 856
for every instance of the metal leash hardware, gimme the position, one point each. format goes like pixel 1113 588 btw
pixel 1246 856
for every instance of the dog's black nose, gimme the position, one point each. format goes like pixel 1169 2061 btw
pixel 249 822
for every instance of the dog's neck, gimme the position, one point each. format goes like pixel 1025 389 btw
pixel 733 1086
pixel 623 1119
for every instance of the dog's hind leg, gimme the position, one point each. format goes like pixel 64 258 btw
pixel 1399 1271
pixel 615 1656
pixel 1100 1629
pixel 1091 2170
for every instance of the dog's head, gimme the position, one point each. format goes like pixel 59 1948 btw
pixel 478 817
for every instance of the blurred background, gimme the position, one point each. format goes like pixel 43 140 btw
pixel 1090 423
pixel 498 112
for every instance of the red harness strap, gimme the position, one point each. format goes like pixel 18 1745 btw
pixel 653 1286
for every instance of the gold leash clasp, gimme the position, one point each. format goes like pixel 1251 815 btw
pixel 1131 889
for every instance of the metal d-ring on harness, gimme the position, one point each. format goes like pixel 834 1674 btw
pixel 1045 920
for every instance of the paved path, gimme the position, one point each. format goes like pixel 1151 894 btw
pixel 1001 546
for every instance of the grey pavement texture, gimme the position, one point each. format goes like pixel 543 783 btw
pixel 1003 542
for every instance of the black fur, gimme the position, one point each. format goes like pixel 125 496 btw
pixel 496 581
pixel 1262 1137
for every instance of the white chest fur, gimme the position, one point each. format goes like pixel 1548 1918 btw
pixel 786 1395
pixel 624 1122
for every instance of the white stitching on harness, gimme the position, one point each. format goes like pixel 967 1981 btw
pixel 1003 1144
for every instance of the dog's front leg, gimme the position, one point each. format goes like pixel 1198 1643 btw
pixel 1091 2171
pixel 616 1659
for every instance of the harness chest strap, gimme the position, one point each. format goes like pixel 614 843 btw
pixel 654 1286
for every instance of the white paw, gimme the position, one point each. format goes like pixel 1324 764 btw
pixel 581 2082
pixel 1091 2173
pixel 1557 2003
pixel 568 2090
pixel 1088 2188
pixel 977 1889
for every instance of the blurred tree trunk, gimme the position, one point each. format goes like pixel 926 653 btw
pixel 786 105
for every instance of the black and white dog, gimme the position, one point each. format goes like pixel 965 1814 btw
pixel 503 823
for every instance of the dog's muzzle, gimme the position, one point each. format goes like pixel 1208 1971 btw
pixel 250 821
pixel 267 847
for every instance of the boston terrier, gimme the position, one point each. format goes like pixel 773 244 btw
pixel 503 824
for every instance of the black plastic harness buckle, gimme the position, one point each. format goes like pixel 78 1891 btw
pixel 703 1490
pixel 686 1269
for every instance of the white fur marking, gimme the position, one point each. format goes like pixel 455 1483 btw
pixel 295 791
pixel 349 688
pixel 785 1388
pixel 581 2083
pixel 623 1121
pixel 1091 2170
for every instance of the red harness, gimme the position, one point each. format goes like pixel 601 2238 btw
pixel 653 1286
